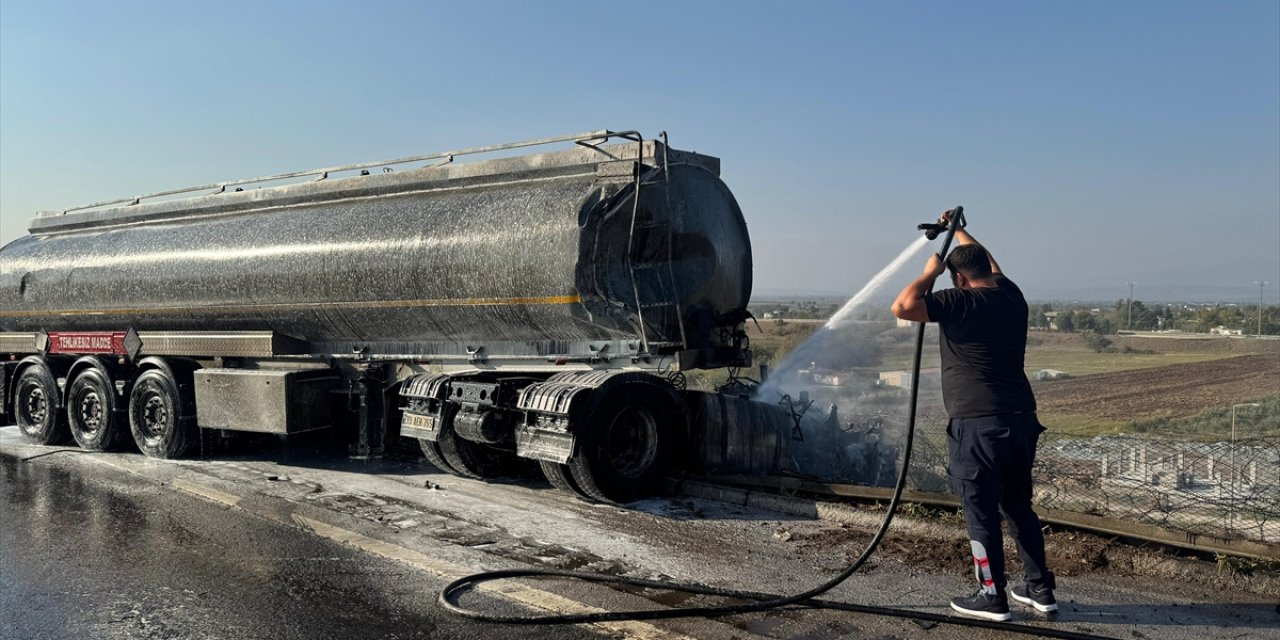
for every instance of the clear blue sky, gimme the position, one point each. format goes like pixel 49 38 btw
pixel 1092 143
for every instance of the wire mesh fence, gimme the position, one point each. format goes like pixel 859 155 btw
pixel 1228 489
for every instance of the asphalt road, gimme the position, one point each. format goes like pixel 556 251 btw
pixel 85 558
pixel 286 542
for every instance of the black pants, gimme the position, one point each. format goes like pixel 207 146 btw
pixel 990 468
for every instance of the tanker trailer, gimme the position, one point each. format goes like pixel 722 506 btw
pixel 538 306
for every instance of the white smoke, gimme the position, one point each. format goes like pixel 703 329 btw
pixel 853 418
pixel 784 373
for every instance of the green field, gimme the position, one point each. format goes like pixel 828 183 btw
pixel 1210 425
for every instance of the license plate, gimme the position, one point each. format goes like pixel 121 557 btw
pixel 418 422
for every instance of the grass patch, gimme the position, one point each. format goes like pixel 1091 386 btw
pixel 1245 567
pixel 1074 425
pixel 1214 425
pixel 1210 425
pixel 941 514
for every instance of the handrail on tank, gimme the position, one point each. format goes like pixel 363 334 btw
pixel 585 138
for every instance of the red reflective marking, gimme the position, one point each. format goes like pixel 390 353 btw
pixel 103 342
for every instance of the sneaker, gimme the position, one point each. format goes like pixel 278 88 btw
pixel 1039 597
pixel 983 605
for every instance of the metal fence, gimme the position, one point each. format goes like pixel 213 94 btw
pixel 1229 490
pixel 1223 489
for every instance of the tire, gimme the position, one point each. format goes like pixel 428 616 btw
pixel 561 478
pixel 160 417
pixel 35 407
pixel 91 412
pixel 432 451
pixel 624 447
pixel 470 459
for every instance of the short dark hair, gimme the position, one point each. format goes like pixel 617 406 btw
pixel 971 260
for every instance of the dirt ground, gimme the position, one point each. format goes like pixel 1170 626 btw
pixel 1159 343
pixel 1197 344
pixel 1068 553
pixel 1176 390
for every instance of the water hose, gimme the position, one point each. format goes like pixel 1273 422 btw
pixel 449 596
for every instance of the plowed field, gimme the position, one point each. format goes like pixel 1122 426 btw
pixel 1171 391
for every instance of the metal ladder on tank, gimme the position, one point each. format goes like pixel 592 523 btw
pixel 665 229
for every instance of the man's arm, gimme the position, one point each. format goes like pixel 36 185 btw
pixel 910 302
pixel 963 238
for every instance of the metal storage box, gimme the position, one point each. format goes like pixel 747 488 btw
pixel 264 400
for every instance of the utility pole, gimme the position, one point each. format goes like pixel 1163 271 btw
pixel 1260 284
pixel 1129 323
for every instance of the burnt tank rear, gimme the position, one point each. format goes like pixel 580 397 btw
pixel 631 250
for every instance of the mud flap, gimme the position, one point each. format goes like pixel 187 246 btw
pixel 424 407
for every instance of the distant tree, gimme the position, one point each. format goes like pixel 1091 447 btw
pixel 1036 319
pixel 1085 321
pixel 1270 320
pixel 1065 323
pixel 1097 342
pixel 1106 326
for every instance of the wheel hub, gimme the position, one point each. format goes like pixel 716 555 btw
pixel 37 405
pixel 91 412
pixel 633 442
pixel 155 416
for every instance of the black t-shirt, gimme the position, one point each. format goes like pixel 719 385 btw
pixel 983 340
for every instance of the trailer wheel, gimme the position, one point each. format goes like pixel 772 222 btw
pixel 159 416
pixel 91 412
pixel 432 451
pixel 624 447
pixel 35 404
pixel 471 459
pixel 560 477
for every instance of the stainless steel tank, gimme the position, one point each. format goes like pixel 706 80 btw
pixel 535 256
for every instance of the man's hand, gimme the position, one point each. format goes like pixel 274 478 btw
pixel 910 303
pixel 962 236
pixel 935 266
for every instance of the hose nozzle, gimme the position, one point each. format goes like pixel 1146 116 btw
pixel 932 229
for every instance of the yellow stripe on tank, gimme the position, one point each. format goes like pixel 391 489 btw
pixel 258 308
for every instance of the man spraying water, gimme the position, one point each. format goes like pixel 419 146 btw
pixel 992 434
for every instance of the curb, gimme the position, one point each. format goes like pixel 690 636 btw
pixel 804 507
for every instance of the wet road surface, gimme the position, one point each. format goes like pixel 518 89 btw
pixel 128 559
pixel 286 542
